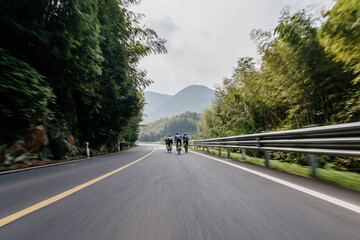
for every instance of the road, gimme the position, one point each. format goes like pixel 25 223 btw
pixel 167 196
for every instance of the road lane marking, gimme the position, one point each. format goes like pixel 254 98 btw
pixel 17 215
pixel 61 163
pixel 308 191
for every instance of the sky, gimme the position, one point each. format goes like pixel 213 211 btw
pixel 205 38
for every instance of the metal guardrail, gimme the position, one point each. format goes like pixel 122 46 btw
pixel 342 140
pixel 338 140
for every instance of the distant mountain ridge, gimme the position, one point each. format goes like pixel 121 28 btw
pixel 194 98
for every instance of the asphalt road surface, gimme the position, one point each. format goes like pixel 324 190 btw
pixel 167 196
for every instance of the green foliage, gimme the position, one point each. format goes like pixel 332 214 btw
pixel 320 81
pixel 183 123
pixel 297 84
pixel 206 123
pixel 300 80
pixel 24 96
pixel 86 53
pixel 119 98
pixel 340 36
pixel 131 131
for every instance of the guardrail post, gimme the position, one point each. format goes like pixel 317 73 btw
pixel 203 148
pixel 212 150
pixel 267 158
pixel 313 160
pixel 207 149
pixel 118 146
pixel 219 151
pixel 243 151
pixel 87 149
pixel 229 155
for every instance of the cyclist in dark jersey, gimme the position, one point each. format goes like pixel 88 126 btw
pixel 169 140
pixel 186 139
pixel 178 138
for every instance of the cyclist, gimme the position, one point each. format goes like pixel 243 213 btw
pixel 186 141
pixel 178 138
pixel 169 141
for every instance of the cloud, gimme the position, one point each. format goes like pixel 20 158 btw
pixel 205 38
pixel 164 26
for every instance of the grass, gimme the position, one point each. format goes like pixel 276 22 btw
pixel 345 179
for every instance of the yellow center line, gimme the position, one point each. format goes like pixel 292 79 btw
pixel 17 215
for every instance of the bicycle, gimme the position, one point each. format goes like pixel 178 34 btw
pixel 169 148
pixel 178 149
pixel 186 146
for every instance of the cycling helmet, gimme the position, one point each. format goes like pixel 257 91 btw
pixel 169 135
pixel 185 134
pixel 177 133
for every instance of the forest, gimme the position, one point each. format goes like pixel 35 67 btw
pixel 159 129
pixel 308 74
pixel 70 74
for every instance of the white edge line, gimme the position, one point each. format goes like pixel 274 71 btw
pixel 313 193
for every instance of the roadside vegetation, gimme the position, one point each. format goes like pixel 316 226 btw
pixel 308 75
pixel 69 75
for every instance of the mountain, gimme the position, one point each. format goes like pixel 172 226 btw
pixel 153 101
pixel 193 98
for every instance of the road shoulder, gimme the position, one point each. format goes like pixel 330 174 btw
pixel 338 192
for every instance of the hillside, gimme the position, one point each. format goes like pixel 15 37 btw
pixel 194 98
pixel 183 123
pixel 154 100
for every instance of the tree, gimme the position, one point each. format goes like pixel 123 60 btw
pixel 76 60
pixel 320 81
pixel 340 35
pixel 24 97
pixel 183 123
pixel 297 83
pixel 118 94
